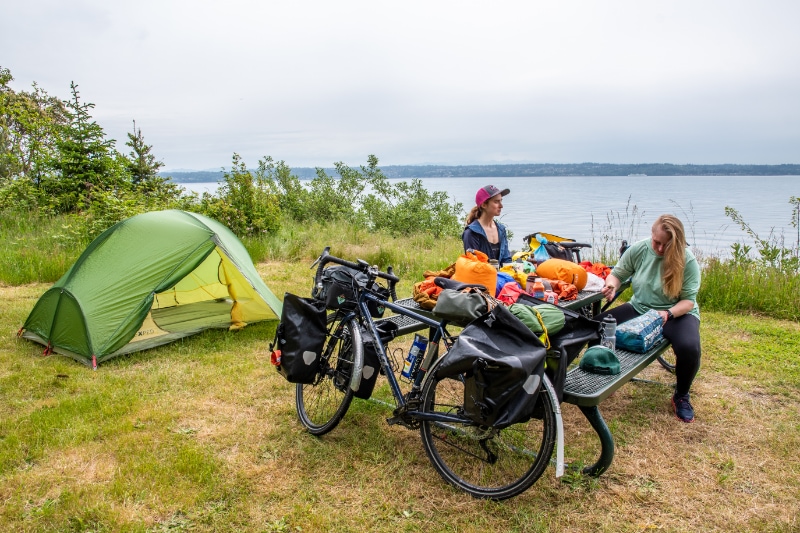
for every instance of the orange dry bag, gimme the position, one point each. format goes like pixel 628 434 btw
pixel 563 270
pixel 474 267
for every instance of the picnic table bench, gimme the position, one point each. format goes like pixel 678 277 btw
pixel 587 391
pixel 582 389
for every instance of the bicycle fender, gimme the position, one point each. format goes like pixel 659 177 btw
pixel 548 388
pixel 358 355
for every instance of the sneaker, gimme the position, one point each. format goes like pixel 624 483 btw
pixel 682 408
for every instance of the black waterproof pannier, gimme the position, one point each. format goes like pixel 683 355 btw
pixel 338 289
pixel 299 339
pixel 578 332
pixel 501 362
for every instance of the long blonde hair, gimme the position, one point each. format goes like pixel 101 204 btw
pixel 674 254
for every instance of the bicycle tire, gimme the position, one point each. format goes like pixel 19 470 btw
pixel 667 360
pixel 322 405
pixel 459 453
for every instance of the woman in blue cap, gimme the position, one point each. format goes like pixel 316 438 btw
pixel 483 232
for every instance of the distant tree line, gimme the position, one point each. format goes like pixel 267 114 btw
pixel 588 169
pixel 531 170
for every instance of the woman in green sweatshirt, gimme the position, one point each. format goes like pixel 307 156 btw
pixel 664 276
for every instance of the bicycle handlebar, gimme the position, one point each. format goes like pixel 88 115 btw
pixel 361 266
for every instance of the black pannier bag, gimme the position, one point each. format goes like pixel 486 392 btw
pixel 578 331
pixel 502 363
pixel 556 251
pixel 338 289
pixel 299 339
pixel 372 367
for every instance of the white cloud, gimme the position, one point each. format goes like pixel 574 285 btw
pixel 315 82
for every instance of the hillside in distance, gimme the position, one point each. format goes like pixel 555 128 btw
pixel 532 170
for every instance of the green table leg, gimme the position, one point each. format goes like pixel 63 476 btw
pixel 592 414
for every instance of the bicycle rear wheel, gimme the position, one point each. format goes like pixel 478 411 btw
pixel 322 405
pixel 485 462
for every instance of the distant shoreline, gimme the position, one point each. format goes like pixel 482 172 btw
pixel 529 170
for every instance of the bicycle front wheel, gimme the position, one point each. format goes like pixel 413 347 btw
pixel 322 405
pixel 485 462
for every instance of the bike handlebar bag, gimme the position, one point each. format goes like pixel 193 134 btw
pixel 338 289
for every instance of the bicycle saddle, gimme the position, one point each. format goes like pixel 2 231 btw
pixel 447 283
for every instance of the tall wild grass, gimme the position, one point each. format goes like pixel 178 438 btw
pixel 616 228
pixel 41 249
pixel 735 288
pixel 762 277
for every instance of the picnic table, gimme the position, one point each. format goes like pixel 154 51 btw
pixel 582 389
pixel 587 302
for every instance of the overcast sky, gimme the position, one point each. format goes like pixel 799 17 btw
pixel 416 82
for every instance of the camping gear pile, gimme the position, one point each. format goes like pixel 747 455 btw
pixel 472 289
pixel 546 278
pixel 146 281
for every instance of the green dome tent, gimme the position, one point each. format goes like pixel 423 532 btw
pixel 147 281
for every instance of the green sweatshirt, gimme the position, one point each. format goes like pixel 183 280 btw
pixel 641 263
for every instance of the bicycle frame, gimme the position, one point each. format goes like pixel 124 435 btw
pixel 438 334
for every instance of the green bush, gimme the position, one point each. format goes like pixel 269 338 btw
pixel 773 250
pixel 363 197
pixel 245 202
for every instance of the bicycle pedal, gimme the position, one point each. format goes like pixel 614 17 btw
pixel 398 420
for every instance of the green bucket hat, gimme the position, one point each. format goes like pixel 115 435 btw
pixel 600 360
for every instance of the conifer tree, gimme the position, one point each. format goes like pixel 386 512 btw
pixel 86 159
pixel 141 164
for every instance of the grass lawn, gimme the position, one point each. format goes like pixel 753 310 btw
pixel 202 435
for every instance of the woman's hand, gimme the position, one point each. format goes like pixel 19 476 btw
pixel 608 291
pixel 610 288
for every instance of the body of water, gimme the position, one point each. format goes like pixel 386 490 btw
pixel 583 208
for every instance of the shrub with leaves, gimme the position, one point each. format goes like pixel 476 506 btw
pixel 773 250
pixel 367 197
pixel 244 202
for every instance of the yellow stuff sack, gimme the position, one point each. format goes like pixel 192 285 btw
pixel 474 267
pixel 563 270
pixel 516 272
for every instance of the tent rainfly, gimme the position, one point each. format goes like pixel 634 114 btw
pixel 146 281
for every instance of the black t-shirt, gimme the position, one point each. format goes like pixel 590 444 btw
pixel 494 247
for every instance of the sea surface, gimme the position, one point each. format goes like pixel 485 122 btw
pixel 603 210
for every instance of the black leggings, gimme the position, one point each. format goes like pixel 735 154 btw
pixel 684 334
